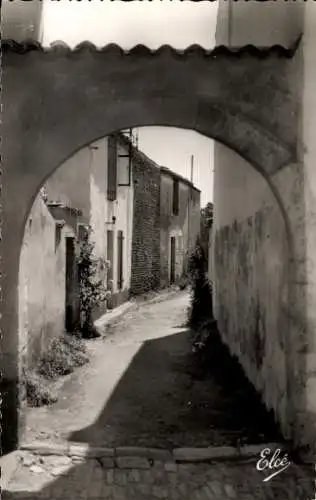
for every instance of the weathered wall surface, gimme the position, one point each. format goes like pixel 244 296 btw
pixel 81 182
pixel 41 284
pixel 184 227
pixel 250 23
pixel 305 242
pixel 122 210
pixel 261 24
pixel 21 20
pixel 146 224
pixel 250 265
pixel 75 171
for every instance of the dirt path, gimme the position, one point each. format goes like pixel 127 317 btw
pixel 141 388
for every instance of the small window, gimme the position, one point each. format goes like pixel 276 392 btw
pixel 175 197
pixel 112 168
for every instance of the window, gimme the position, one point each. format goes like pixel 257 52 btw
pixel 112 168
pixel 120 240
pixel 175 197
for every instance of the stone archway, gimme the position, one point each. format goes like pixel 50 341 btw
pixel 57 101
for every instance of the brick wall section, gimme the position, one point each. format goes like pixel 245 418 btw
pixel 146 225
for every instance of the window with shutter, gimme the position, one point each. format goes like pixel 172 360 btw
pixel 112 168
pixel 175 198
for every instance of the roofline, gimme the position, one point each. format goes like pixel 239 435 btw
pixel 138 153
pixel 171 173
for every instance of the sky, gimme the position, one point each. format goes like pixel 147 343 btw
pixel 152 23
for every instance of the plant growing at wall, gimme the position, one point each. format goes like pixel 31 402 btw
pixel 92 291
pixel 201 308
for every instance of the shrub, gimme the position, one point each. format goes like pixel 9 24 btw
pixel 201 307
pixel 183 282
pixel 92 291
pixel 38 390
pixel 64 354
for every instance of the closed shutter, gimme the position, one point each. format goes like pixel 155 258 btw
pixel 112 168
pixel 175 201
pixel 120 240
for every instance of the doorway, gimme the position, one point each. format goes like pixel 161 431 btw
pixel 70 317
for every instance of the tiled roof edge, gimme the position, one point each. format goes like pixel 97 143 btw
pixel 9 45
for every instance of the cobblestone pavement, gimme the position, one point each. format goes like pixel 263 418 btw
pixel 128 478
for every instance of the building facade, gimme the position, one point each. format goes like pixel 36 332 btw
pixel 48 294
pixel 144 222
pixel 98 181
pixel 179 225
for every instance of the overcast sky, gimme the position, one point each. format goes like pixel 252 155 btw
pixel 152 23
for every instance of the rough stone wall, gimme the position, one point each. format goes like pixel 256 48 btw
pixel 146 222
pixel 41 285
pixel 250 266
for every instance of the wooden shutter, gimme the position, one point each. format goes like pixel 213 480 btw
pixel 112 168
pixel 120 240
pixel 175 204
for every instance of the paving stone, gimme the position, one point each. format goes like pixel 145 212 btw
pixel 95 452
pixel 119 493
pixel 215 486
pixel 28 460
pixel 132 463
pixel 106 491
pixel 230 492
pixel 56 461
pixel 160 492
pixel 134 476
pixel 157 454
pixel 44 448
pixel 110 476
pixel 120 477
pixel 59 471
pixel 107 462
pixel 36 469
pixel 208 494
pixel 144 489
pixel 171 467
pixel 131 451
pixel 197 454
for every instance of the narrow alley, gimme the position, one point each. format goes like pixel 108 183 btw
pixel 145 387
pixel 141 393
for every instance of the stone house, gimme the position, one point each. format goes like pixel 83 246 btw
pixel 179 224
pixel 166 223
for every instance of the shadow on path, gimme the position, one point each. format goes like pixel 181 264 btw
pixel 170 397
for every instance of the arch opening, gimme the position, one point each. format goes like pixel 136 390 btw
pixel 243 233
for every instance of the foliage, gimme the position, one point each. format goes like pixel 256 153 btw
pixel 183 281
pixel 207 214
pixel 206 223
pixel 201 307
pixel 92 291
pixel 38 390
pixel 64 354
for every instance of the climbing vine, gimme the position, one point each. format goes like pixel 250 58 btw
pixel 92 291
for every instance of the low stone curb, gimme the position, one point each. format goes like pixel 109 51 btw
pixel 136 457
